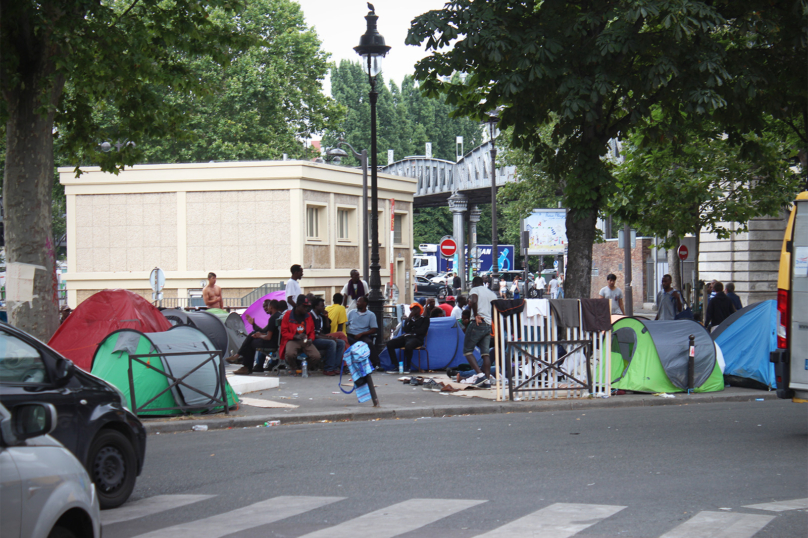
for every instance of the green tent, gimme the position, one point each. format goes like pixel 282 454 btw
pixel 111 363
pixel 652 356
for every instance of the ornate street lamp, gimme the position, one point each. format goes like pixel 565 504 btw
pixel 372 49
pixel 493 118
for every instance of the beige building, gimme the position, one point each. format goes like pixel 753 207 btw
pixel 248 222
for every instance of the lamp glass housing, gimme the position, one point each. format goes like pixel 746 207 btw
pixel 372 63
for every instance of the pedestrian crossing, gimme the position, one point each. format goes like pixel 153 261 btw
pixel 557 520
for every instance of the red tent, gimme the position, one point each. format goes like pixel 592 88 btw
pixel 97 317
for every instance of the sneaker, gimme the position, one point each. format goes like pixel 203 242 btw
pixel 242 371
pixel 415 381
pixel 483 383
pixel 432 385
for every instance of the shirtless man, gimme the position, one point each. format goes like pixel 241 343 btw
pixel 212 294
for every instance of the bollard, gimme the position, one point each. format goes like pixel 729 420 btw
pixel 691 364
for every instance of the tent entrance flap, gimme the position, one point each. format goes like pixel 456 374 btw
pixel 177 382
pixel 624 341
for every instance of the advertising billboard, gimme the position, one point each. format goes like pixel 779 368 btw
pixel 547 230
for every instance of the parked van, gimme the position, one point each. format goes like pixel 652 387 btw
pixel 791 358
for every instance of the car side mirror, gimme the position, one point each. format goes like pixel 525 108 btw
pixel 64 372
pixel 28 421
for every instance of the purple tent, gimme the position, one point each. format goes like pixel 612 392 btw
pixel 256 310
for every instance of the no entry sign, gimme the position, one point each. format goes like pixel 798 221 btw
pixel 448 247
pixel 682 252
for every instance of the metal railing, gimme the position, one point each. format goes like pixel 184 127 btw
pixel 228 303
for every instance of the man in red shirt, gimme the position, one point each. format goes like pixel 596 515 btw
pixel 448 306
pixel 297 334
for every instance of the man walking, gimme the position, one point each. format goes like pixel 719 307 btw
pixel 457 284
pixel 611 291
pixel 353 290
pixel 362 327
pixel 478 332
pixel 552 287
pixel 413 333
pixel 293 289
pixel 668 300
pixel 719 308
pixel 297 335
pixel 212 294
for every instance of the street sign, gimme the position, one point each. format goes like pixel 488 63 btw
pixel 448 247
pixel 682 252
pixel 157 280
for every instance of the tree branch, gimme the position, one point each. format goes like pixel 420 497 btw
pixel 124 14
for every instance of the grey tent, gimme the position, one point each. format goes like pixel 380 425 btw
pixel 209 324
pixel 234 326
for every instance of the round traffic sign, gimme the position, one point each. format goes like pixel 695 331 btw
pixel 157 279
pixel 682 252
pixel 448 248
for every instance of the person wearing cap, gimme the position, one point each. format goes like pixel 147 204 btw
pixel 446 307
pixel 413 333
pixel 297 334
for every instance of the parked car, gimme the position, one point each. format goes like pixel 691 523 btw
pixel 441 278
pixel 45 491
pixel 425 288
pixel 95 423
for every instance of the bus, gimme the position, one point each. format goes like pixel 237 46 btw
pixel 791 357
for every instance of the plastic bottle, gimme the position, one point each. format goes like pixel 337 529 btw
pixel 400 367
pixel 200 428
pixel 305 367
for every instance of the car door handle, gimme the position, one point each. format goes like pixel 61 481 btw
pixel 83 402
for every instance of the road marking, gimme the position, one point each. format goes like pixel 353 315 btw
pixel 241 519
pixel 396 519
pixel 559 520
pixel 782 506
pixel 149 506
pixel 719 525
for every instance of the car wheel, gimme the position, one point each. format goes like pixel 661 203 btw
pixel 112 466
pixel 442 293
pixel 61 532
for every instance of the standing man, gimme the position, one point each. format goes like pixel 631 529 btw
pixel 362 327
pixel 297 335
pixel 553 285
pixel 212 294
pixel 293 289
pixel 720 307
pixel 611 291
pixel 457 284
pixel 668 300
pixel 540 283
pixel 736 301
pixel 413 333
pixel 353 290
pixel 478 333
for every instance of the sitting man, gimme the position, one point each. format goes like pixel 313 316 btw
pixel 413 333
pixel 328 343
pixel 297 334
pixel 362 327
pixel 261 338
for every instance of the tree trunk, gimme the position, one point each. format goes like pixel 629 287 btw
pixel 581 227
pixel 27 184
pixel 675 267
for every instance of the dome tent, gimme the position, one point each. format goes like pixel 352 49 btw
pixel 209 324
pixel 234 326
pixel 652 356
pixel 99 315
pixel 111 363
pixel 746 338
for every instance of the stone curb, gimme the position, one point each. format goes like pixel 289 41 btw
pixel 223 423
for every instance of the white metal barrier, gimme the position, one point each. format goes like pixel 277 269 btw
pixel 536 359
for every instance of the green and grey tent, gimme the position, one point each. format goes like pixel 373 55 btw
pixel 111 363
pixel 652 356
pixel 234 326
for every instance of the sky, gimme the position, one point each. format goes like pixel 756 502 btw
pixel 340 23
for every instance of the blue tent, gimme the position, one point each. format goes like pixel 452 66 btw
pixel 444 341
pixel 746 338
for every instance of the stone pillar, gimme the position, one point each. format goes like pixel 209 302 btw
pixel 458 204
pixel 474 218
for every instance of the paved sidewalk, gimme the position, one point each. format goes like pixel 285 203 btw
pixel 318 398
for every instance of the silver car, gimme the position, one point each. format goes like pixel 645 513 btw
pixel 44 490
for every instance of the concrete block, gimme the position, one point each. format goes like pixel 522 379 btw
pixel 244 384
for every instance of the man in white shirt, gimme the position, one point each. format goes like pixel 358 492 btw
pixel 353 290
pixel 478 333
pixel 293 289
pixel 457 311
pixel 611 291
pixel 540 284
pixel 552 287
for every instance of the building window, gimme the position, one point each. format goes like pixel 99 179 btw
pixel 398 229
pixel 344 221
pixel 314 224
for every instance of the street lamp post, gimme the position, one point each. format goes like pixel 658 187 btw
pixel 493 118
pixel 372 49
pixel 363 159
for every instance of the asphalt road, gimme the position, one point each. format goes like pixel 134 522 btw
pixel 672 471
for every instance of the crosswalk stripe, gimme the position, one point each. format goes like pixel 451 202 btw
pixel 396 519
pixel 559 520
pixel 241 519
pixel 719 525
pixel 149 506
pixel 781 506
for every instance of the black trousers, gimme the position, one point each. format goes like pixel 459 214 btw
pixel 409 343
pixel 374 354
pixel 248 348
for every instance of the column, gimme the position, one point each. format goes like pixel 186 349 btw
pixel 458 204
pixel 474 218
